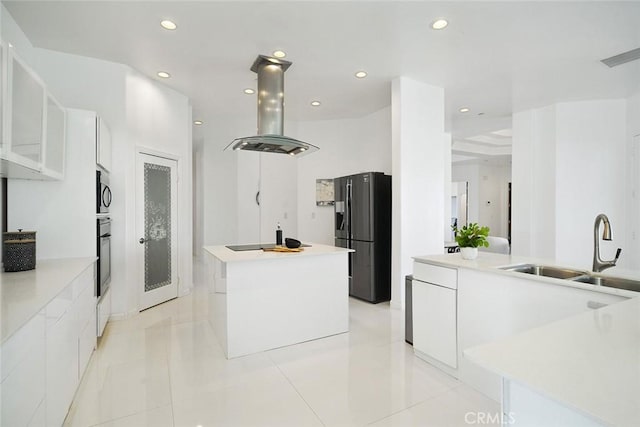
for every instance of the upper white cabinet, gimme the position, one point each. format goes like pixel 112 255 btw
pixel 33 137
pixel 26 114
pixel 103 148
pixel 55 138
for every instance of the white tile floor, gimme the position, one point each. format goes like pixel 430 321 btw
pixel 164 367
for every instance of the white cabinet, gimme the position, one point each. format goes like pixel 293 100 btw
pixel 525 407
pixel 434 313
pixel 492 306
pixel 103 312
pixel 33 136
pixel 62 356
pixel 44 360
pixel 103 145
pixel 23 373
pixel 68 346
pixel 26 100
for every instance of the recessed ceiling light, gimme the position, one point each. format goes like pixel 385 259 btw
pixel 197 122
pixel 315 103
pixel 439 24
pixel 168 25
pixel 249 91
pixel 279 54
pixel 464 110
pixel 361 74
pixel 164 74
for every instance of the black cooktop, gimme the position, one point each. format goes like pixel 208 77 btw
pixel 255 247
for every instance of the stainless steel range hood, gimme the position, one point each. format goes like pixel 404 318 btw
pixel 270 138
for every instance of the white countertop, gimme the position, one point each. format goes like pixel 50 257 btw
pixel 225 254
pixel 491 262
pixel 589 362
pixel 23 294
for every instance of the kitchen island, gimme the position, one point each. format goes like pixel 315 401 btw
pixel 582 371
pixel 553 351
pixel 263 300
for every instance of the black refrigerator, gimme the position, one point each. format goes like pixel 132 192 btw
pixel 363 223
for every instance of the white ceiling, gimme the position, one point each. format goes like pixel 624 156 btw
pixel 494 57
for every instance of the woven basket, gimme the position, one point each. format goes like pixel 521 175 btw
pixel 19 250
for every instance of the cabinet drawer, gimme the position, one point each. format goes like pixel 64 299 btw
pixel 86 345
pixel 23 390
pixel 434 322
pixel 443 276
pixel 25 341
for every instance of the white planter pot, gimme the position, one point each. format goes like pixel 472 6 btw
pixel 469 253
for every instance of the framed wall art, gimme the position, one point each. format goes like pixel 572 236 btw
pixel 324 192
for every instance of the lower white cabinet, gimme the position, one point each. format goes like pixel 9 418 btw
pixel 495 306
pixel 62 367
pixel 434 303
pixel 39 419
pixel 23 373
pixel 434 322
pixel 103 312
pixel 43 362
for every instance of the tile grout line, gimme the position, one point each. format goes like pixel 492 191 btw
pixel 297 391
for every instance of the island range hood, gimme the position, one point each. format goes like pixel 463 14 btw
pixel 270 138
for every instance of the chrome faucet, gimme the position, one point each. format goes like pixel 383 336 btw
pixel 598 263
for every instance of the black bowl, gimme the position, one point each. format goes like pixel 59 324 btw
pixel 292 243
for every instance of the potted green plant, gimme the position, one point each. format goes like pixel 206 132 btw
pixel 470 237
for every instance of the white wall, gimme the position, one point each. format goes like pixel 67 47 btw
pixel 569 165
pixel 418 176
pixel 198 197
pixel 447 187
pixel 278 196
pixel 220 180
pixel 347 147
pixel 633 189
pixel 533 158
pixel 590 178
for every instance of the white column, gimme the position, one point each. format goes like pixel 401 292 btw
pixel 533 207
pixel 569 165
pixel 418 176
pixel 447 186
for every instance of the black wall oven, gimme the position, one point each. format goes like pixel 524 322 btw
pixel 104 256
pixel 103 192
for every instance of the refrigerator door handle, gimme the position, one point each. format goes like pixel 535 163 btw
pixel 347 210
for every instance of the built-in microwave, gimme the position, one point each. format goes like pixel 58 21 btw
pixel 103 192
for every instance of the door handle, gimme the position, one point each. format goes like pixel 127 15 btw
pixel 142 240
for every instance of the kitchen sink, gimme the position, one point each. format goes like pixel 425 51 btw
pixel 575 275
pixel 546 271
pixel 611 282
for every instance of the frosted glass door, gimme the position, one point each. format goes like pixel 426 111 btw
pixel 157 215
